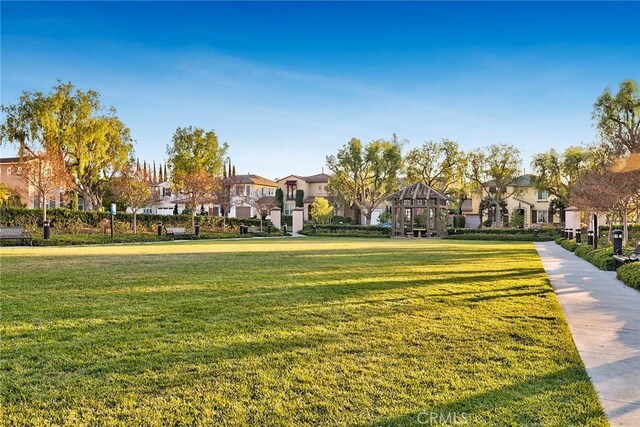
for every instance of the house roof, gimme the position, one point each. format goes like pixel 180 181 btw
pixel 9 159
pixel 418 190
pixel 523 201
pixel 321 177
pixel 256 180
pixel 525 180
pixel 312 179
pixel 312 199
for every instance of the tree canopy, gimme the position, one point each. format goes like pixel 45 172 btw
pixel 93 142
pixel 438 164
pixel 558 173
pixel 366 175
pixel 617 118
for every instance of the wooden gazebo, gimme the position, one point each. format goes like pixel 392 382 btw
pixel 418 211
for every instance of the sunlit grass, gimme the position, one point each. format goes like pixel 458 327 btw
pixel 286 332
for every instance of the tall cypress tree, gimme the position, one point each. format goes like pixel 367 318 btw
pixel 155 176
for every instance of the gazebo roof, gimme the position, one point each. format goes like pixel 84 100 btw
pixel 419 190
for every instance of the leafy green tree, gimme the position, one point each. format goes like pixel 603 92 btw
pixel 321 210
pixel 558 173
pixel 365 175
pixel 299 198
pixel 93 142
pixel 279 198
pixel 133 191
pixel 440 165
pixel 617 118
pixel 494 172
pixel 196 160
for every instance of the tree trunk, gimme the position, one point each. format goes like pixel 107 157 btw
pixel 367 218
pixel 44 209
pixel 135 221
pixel 193 220
pixel 625 228
pixel 497 215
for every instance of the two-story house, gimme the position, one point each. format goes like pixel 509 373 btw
pixel 313 186
pixel 531 203
pixel 11 169
pixel 248 189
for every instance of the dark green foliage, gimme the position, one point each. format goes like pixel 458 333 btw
pixel 559 240
pixel 348 230
pixel 630 274
pixel 583 250
pixel 68 220
pixel 500 237
pixel 299 198
pixel 543 231
pixel 458 221
pixel 279 198
pixel 569 245
pixel 341 219
pixel 603 259
pixel 558 206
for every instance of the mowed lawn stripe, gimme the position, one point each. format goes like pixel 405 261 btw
pixel 287 332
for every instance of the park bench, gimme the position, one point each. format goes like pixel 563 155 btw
pixel 632 257
pixel 177 232
pixel 15 233
pixel 255 231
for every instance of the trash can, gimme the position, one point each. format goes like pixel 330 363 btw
pixel 159 228
pixel 47 230
pixel 535 231
pixel 617 242
pixel 285 229
pixel 578 235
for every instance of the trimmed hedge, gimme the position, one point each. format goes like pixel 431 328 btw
pixel 583 250
pixel 630 274
pixel 543 231
pixel 569 245
pixel 500 237
pixel 345 230
pixel 66 219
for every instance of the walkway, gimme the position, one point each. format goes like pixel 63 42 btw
pixel 604 319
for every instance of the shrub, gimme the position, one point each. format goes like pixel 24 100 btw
pixel 347 230
pixel 630 274
pixel 500 237
pixel 603 259
pixel 341 220
pixel 559 240
pixel 583 250
pixel 543 231
pixel 569 245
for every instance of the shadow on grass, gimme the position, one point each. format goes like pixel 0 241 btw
pixel 496 403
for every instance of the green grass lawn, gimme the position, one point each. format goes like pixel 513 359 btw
pixel 365 332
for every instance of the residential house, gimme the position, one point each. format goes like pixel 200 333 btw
pixel 313 186
pixel 531 203
pixel 10 174
pixel 249 189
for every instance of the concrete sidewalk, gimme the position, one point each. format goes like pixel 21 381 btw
pixel 604 318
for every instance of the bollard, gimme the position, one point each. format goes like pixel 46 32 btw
pixel 159 228
pixel 197 229
pixel 590 237
pixel 314 228
pixel 561 232
pixel 578 235
pixel 47 230
pixel 285 229
pixel 242 229
pixel 570 234
pixel 269 229
pixel 535 231
pixel 617 242
pixel 564 232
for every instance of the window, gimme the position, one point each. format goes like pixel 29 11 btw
pixel 542 216
pixel 288 207
pixel 543 195
pixel 51 204
pixel 240 190
pixel 248 189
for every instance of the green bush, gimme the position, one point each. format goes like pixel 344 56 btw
pixel 630 274
pixel 569 245
pixel 583 250
pixel 559 240
pixel 543 231
pixel 69 220
pixel 341 220
pixel 603 259
pixel 500 237
pixel 344 230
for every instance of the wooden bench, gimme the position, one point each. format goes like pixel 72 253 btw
pixel 632 257
pixel 15 233
pixel 255 231
pixel 177 232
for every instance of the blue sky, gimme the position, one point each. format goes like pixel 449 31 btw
pixel 286 84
